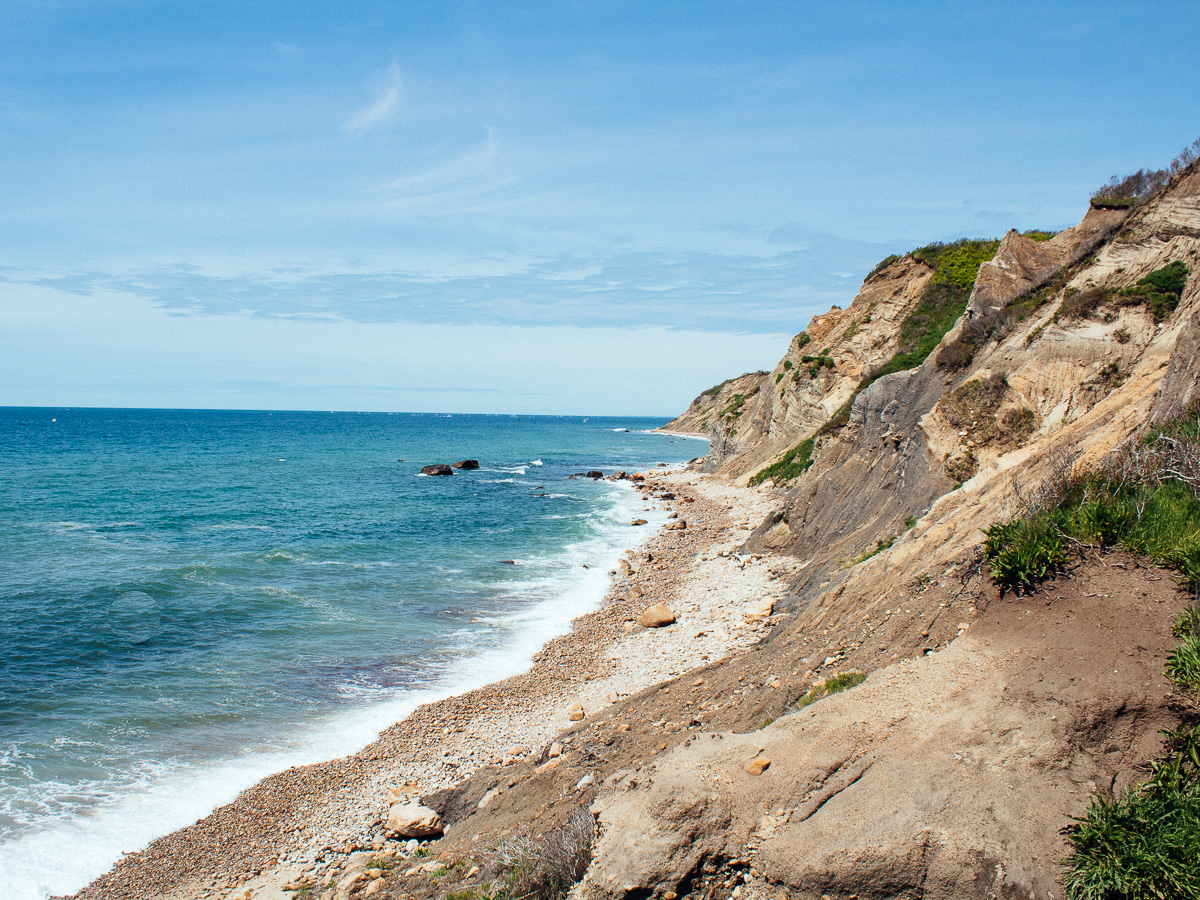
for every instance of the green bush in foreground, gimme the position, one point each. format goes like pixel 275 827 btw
pixel 1145 843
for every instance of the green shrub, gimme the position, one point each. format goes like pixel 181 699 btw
pixel 1167 280
pixel 790 466
pixel 1130 191
pixel 1183 663
pixel 1025 553
pixel 881 265
pixel 1144 843
pixel 803 339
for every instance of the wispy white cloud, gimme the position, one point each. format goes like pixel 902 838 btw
pixel 383 107
pixel 743 293
pixel 453 172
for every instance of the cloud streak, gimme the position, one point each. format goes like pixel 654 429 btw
pixel 744 293
pixel 382 108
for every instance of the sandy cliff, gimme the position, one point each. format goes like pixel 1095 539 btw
pixel 715 757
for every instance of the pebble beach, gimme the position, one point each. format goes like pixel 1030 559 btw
pixel 308 823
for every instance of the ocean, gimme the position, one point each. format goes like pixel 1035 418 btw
pixel 191 600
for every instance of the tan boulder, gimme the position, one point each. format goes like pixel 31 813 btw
pixel 656 616
pixel 758 765
pixel 760 609
pixel 413 820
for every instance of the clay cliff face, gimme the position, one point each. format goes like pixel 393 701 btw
pixel 1049 362
pixel 818 374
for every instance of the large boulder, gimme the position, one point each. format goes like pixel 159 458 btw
pixel 656 616
pixel 438 469
pixel 595 473
pixel 412 820
pixel 465 464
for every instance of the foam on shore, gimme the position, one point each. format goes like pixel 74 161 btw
pixel 106 821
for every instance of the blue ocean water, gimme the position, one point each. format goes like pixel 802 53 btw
pixel 190 600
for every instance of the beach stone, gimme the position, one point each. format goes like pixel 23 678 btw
pixel 555 750
pixel 677 525
pixel 656 616
pixel 465 464
pixel 412 820
pixel 373 888
pixel 758 765
pixel 638 522
pixel 575 712
pixel 437 469
pixel 759 610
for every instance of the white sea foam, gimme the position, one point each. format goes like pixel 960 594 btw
pixel 105 820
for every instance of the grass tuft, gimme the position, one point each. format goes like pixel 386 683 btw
pixel 834 685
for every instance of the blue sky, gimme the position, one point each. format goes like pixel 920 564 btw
pixel 566 207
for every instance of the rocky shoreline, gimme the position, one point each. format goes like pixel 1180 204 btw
pixel 305 823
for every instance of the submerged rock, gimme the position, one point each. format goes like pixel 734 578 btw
pixel 437 469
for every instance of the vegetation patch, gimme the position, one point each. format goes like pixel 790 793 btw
pixel 544 869
pixel 788 467
pixel 1158 292
pixel 1145 842
pixel 972 407
pixel 818 362
pixel 1144 500
pixel 834 685
pixel 880 545
pixel 942 302
pixel 881 265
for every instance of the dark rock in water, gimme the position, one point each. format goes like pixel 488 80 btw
pixel 666 495
pixel 595 474
pixel 465 464
pixel 539 495
pixel 508 562
pixel 438 469
pixel 662 465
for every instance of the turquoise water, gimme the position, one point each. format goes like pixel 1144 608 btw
pixel 190 600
